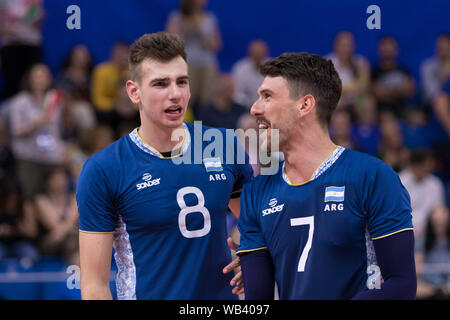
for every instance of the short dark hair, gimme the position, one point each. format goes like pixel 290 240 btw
pixel 308 73
pixel 160 46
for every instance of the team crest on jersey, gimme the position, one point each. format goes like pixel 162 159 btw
pixel 212 164
pixel 273 207
pixel 148 181
pixel 335 194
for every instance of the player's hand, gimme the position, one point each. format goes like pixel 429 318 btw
pixel 236 282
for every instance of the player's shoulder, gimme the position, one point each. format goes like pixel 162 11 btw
pixel 110 157
pixel 363 161
pixel 366 167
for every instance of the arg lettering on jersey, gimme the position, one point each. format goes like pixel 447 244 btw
pixel 217 177
pixel 334 207
pixel 334 194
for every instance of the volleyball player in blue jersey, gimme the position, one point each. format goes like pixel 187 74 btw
pixel 166 219
pixel 333 223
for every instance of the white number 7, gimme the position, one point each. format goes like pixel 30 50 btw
pixel 301 222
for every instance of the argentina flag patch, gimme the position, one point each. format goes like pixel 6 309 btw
pixel 334 194
pixel 212 164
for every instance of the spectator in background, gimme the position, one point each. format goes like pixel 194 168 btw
pixel 392 84
pixel 366 129
pixel 75 76
pixel 200 32
pixel 91 141
pixel 126 114
pixel 75 81
pixel 223 112
pixel 425 189
pixel 57 214
pixel 416 129
pixel 353 69
pixel 392 148
pixel 105 79
pixel 35 123
pixel 435 71
pixel 7 162
pixel 440 132
pixel 340 129
pixel 17 227
pixel 434 254
pixel 95 139
pixel 21 37
pixel 246 74
pixel 441 107
pixel 77 116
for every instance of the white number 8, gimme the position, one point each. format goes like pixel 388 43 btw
pixel 185 210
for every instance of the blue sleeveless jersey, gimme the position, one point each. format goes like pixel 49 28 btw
pixel 319 234
pixel 168 219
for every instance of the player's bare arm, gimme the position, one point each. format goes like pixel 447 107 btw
pixel 235 206
pixel 95 262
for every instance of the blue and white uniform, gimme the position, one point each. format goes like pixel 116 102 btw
pixel 168 219
pixel 319 233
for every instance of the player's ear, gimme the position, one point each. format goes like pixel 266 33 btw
pixel 306 104
pixel 133 91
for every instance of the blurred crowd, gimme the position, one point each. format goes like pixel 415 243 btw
pixel 51 123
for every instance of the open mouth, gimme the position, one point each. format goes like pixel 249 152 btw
pixel 173 110
pixel 263 123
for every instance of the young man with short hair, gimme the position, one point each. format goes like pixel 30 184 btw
pixel 165 218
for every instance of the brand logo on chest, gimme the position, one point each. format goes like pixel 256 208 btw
pixel 273 207
pixel 148 181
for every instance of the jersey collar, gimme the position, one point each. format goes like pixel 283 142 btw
pixel 135 137
pixel 321 169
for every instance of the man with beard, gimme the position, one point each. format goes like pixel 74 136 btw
pixel 332 222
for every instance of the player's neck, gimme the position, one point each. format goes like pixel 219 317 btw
pixel 162 139
pixel 306 154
